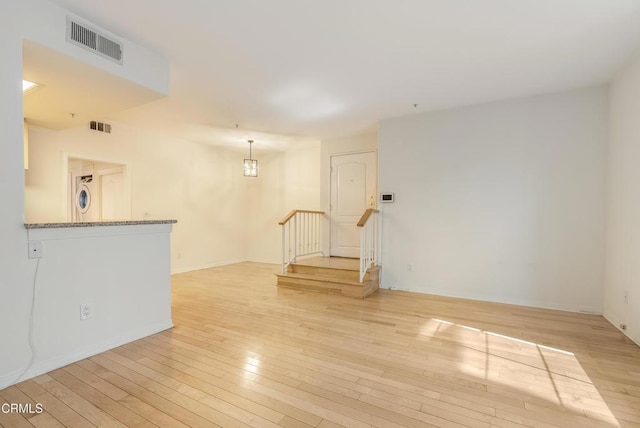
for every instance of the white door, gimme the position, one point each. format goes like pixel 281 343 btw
pixel 112 195
pixel 353 189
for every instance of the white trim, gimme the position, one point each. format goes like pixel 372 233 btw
pixel 82 353
pixel 206 266
pixel 267 261
pixel 497 299
pixel 616 323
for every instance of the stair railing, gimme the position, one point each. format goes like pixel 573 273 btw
pixel 301 235
pixel 369 240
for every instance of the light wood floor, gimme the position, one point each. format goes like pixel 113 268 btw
pixel 244 353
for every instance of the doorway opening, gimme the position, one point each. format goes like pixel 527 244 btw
pixel 97 190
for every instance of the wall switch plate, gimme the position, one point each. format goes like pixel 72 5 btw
pixel 35 249
pixel 387 197
pixel 86 311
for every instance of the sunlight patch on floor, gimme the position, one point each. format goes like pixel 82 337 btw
pixel 540 375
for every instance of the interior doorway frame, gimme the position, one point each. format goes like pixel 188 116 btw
pixel 330 222
pixel 68 185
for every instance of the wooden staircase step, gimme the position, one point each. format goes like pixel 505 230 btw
pixel 324 278
pixel 342 273
pixel 311 283
pixel 343 281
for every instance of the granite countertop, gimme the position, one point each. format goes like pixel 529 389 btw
pixel 96 223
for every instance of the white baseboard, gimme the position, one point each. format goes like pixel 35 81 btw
pixel 223 263
pixel 616 323
pixel 266 261
pixel 495 299
pixel 42 367
pixel 206 266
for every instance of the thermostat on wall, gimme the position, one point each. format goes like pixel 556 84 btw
pixel 386 197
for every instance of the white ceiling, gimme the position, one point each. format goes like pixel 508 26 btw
pixel 335 67
pixel 70 93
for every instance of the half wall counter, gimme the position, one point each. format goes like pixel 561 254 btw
pixel 97 286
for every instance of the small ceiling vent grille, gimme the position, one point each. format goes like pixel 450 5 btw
pixel 89 39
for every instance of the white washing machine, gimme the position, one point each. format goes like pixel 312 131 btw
pixel 85 209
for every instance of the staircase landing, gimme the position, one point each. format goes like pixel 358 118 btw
pixel 332 275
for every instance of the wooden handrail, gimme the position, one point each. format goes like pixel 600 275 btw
pixel 294 212
pixel 365 216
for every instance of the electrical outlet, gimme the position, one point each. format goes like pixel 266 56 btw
pixel 35 249
pixel 86 311
pixel 623 327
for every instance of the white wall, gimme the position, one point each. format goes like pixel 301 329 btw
pixel 286 181
pixel 501 202
pixel 121 271
pixel 222 216
pixel 623 202
pixel 200 186
pixel 14 266
pixel 43 23
pixel 333 147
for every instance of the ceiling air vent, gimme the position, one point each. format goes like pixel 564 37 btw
pixel 85 37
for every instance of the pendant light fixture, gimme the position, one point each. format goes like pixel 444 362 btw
pixel 250 165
